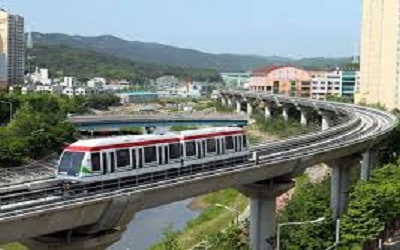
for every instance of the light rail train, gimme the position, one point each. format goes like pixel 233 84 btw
pixel 124 156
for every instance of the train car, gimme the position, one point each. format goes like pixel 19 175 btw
pixel 213 144
pixel 123 156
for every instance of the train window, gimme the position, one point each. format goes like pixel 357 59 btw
pixel 211 145
pixel 229 142
pixel 244 141
pixel 190 148
pixel 174 151
pixel 71 163
pixel 123 158
pixel 150 154
pixel 96 162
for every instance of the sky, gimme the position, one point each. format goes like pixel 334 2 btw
pixel 294 28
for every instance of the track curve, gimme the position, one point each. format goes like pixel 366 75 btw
pixel 358 130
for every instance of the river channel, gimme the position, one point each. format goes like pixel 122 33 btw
pixel 147 226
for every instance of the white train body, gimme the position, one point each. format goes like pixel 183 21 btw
pixel 123 156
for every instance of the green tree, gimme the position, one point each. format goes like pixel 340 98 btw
pixel 372 205
pixel 39 126
pixel 310 201
pixel 233 237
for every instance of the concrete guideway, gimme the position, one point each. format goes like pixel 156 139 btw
pixel 357 135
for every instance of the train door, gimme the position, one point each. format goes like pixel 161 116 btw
pixel 140 158
pixel 166 154
pixel 203 143
pixel 220 146
pixel 201 149
pixel 160 154
pixel 108 159
pixel 238 143
pixel 104 163
pixel 134 158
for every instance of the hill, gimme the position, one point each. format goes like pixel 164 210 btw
pixel 84 64
pixel 180 57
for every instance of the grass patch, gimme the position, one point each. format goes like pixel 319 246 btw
pixel 280 127
pixel 178 128
pixel 135 130
pixel 212 219
pixel 214 104
pixel 14 246
pixel 253 140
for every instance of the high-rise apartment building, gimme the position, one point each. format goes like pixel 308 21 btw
pixel 12 49
pixel 380 53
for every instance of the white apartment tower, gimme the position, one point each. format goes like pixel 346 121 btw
pixel 12 49
pixel 380 53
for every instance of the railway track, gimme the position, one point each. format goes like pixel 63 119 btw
pixel 362 125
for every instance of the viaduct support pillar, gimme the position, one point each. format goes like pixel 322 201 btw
pixel 305 113
pixel 285 112
pixel 369 161
pixel 268 110
pixel 223 100
pixel 340 183
pixel 326 120
pixel 238 106
pixel 230 102
pixel 249 108
pixel 263 212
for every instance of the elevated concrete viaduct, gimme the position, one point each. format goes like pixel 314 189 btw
pixel 149 122
pixel 96 216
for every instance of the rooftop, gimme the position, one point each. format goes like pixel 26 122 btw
pixel 269 69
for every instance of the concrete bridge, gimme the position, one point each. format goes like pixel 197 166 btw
pixel 94 216
pixel 149 122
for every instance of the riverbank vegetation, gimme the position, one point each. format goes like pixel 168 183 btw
pixel 212 220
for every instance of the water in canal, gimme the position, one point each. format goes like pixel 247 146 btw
pixel 147 226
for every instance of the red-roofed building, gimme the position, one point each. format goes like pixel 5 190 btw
pixel 287 80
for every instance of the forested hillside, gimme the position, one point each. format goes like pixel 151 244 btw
pixel 62 60
pixel 180 57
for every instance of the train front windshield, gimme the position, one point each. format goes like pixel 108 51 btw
pixel 70 163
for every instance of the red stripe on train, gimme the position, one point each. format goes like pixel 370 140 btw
pixel 146 143
pixel 195 137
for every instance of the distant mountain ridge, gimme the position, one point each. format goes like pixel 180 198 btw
pixel 169 55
